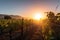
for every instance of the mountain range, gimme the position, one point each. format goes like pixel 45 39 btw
pixel 12 16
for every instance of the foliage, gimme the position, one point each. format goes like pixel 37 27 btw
pixel 50 27
pixel 53 27
pixel 7 17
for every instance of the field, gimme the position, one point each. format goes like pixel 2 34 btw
pixel 15 29
pixel 23 29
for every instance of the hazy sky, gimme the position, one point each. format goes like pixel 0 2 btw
pixel 27 7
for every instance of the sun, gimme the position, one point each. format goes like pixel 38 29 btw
pixel 37 16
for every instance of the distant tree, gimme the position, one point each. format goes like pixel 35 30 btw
pixel 7 17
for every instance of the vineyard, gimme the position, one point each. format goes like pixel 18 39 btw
pixel 24 29
pixel 11 29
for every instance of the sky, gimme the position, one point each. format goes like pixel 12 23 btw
pixel 27 8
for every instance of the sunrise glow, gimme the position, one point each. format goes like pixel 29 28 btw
pixel 37 16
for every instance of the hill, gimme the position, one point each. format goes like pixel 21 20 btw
pixel 12 16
